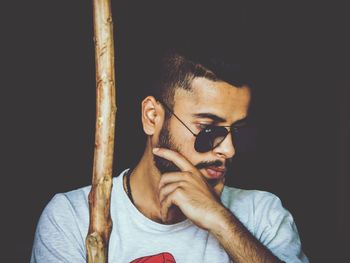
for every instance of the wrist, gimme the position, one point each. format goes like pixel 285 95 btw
pixel 221 222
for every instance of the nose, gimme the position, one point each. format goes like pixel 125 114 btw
pixel 225 149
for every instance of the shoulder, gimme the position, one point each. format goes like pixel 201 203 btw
pixel 65 210
pixel 252 199
pixel 76 200
pixel 73 203
pixel 68 206
pixel 62 228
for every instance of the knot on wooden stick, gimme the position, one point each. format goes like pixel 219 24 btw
pixel 105 181
pixel 109 20
pixel 96 248
pixel 95 240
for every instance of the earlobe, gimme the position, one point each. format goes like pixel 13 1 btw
pixel 150 115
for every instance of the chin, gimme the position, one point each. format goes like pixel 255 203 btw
pixel 212 181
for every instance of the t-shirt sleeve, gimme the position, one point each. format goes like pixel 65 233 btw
pixel 275 228
pixel 58 237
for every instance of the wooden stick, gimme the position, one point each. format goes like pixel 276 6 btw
pixel 100 226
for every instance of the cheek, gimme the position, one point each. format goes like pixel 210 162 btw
pixel 181 137
pixel 184 142
pixel 185 145
pixel 186 149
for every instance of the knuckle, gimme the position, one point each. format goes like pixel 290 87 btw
pixel 179 192
pixel 177 154
pixel 187 173
pixel 181 184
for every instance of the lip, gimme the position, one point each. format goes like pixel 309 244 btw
pixel 215 172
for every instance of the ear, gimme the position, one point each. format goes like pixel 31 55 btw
pixel 152 115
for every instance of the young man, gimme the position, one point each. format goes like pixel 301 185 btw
pixel 173 206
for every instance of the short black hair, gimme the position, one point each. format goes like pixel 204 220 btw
pixel 177 69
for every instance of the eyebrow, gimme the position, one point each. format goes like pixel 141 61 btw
pixel 217 119
pixel 241 122
pixel 211 116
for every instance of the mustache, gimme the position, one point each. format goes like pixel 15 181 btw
pixel 202 165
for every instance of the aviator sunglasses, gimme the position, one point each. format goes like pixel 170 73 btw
pixel 210 137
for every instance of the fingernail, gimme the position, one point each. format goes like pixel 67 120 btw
pixel 155 150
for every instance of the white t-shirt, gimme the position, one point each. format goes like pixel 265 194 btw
pixel 63 226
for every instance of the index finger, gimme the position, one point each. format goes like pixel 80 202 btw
pixel 179 160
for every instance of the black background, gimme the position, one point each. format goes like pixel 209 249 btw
pixel 296 52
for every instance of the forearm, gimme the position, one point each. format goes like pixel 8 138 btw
pixel 238 242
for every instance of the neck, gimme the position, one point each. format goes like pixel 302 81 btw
pixel 144 181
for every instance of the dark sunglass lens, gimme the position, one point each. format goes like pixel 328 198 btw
pixel 219 134
pixel 203 143
pixel 209 138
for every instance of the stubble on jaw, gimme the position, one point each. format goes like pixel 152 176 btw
pixel 166 141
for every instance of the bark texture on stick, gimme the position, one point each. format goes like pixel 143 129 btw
pixel 100 226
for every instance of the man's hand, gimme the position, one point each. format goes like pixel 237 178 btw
pixel 200 203
pixel 189 191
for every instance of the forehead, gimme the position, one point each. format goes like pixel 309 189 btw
pixel 215 97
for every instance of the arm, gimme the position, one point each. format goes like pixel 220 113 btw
pixel 238 242
pixel 199 202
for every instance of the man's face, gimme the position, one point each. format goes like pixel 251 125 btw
pixel 208 103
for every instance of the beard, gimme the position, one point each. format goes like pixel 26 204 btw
pixel 166 141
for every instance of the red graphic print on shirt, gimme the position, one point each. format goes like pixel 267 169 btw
pixel 164 257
